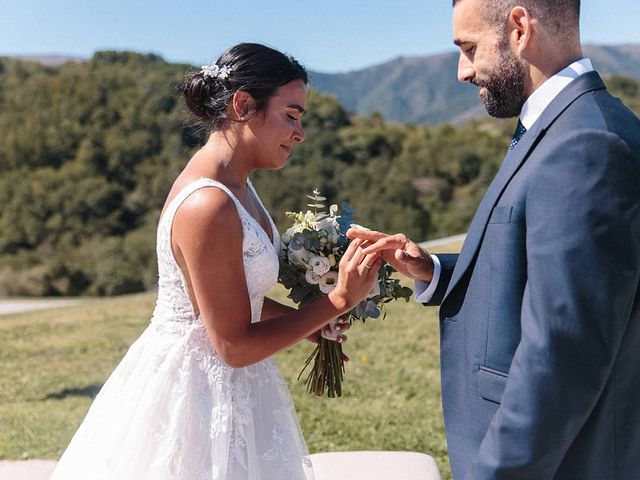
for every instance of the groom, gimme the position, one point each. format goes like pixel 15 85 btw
pixel 540 312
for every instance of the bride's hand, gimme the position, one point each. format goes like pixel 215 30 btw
pixel 398 251
pixel 334 331
pixel 356 273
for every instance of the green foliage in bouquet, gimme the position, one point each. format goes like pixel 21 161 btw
pixel 313 247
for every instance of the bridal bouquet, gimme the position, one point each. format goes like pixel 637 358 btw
pixel 312 249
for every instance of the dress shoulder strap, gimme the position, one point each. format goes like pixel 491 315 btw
pixel 189 189
pixel 166 222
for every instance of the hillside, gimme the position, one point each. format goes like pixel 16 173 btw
pixel 89 151
pixel 421 89
pixel 426 90
pixel 50 60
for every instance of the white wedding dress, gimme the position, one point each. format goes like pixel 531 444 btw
pixel 172 409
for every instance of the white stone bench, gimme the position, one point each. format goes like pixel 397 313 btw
pixel 26 469
pixel 326 466
pixel 371 465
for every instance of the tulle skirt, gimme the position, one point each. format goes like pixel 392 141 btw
pixel 173 409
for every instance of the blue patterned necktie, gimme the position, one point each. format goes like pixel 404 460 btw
pixel 520 131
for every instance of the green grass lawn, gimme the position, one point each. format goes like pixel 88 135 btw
pixel 53 362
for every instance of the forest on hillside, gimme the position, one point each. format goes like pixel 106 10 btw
pixel 88 153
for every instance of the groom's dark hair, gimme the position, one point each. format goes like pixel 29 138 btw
pixel 563 16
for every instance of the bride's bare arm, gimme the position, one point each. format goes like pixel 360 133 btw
pixel 208 233
pixel 272 308
pixel 334 331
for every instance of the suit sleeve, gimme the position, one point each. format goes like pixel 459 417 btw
pixel 447 264
pixel 583 269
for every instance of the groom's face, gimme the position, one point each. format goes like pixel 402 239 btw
pixel 486 60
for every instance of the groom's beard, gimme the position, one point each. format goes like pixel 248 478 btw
pixel 505 88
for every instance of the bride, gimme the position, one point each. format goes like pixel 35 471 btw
pixel 197 396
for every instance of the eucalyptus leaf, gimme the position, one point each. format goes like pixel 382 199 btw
pixel 316 198
pixel 371 309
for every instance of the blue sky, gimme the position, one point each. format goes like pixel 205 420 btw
pixel 326 35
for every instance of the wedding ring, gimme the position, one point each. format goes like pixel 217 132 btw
pixel 366 266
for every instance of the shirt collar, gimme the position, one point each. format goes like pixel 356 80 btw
pixel 545 93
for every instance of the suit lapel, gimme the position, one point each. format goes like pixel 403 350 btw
pixel 510 165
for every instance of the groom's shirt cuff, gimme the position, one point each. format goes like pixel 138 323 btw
pixel 425 290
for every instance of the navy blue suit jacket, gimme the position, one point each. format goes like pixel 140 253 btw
pixel 540 312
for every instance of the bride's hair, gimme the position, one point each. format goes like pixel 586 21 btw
pixel 256 69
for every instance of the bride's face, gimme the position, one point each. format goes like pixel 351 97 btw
pixel 278 127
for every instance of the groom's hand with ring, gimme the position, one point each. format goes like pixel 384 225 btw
pixel 398 251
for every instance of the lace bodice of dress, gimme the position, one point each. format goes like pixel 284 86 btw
pixel 260 260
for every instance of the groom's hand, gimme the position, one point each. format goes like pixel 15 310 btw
pixel 398 251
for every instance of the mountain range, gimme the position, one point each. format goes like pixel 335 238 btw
pixel 424 89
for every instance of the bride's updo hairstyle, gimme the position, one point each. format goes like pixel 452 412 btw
pixel 256 69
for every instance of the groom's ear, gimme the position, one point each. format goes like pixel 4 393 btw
pixel 243 105
pixel 520 28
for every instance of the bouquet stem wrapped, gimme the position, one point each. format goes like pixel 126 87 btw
pixel 327 371
pixel 313 247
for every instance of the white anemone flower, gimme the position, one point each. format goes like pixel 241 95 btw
pixel 319 264
pixel 328 281
pixel 312 278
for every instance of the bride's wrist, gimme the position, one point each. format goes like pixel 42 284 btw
pixel 338 301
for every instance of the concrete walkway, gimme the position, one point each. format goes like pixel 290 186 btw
pixel 8 306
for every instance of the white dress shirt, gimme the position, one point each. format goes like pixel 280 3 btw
pixel 537 102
